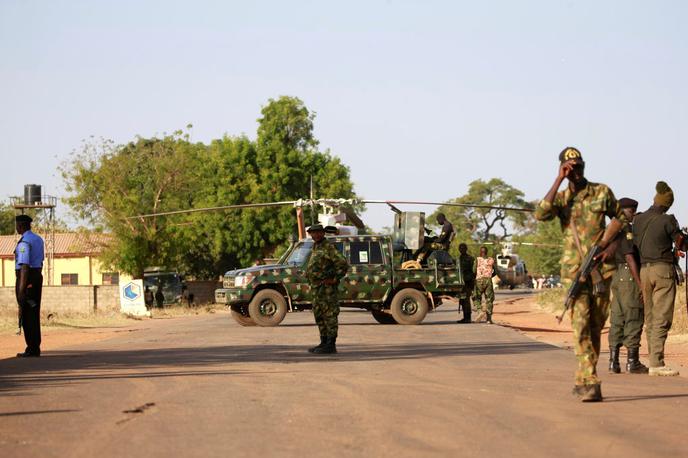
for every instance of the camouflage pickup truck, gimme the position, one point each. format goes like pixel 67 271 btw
pixel 262 295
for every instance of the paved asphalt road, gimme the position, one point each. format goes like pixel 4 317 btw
pixel 204 386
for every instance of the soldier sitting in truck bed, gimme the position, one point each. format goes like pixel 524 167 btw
pixel 442 242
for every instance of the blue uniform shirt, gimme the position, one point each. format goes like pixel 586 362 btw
pixel 29 251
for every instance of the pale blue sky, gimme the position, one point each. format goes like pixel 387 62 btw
pixel 465 89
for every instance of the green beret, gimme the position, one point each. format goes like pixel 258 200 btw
pixel 570 154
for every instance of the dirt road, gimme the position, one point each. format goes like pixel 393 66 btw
pixel 204 386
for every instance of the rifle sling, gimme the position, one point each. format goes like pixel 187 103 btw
pixel 594 274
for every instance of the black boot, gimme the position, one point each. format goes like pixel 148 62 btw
pixel 328 347
pixel 614 365
pixel 322 342
pixel 633 365
pixel 489 318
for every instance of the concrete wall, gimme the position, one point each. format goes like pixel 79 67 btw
pixel 203 291
pixel 69 299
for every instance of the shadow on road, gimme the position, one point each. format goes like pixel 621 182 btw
pixel 643 398
pixel 63 367
pixel 37 412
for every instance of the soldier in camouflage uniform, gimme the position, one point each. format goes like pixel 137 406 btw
pixel 325 268
pixel 582 208
pixel 484 268
pixel 467 266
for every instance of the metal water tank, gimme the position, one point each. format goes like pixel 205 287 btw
pixel 32 194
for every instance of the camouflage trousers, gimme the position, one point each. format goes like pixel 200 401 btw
pixel 626 316
pixel 484 286
pixel 326 310
pixel 588 316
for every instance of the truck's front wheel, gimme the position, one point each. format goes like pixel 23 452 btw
pixel 240 315
pixel 409 306
pixel 267 308
pixel 383 317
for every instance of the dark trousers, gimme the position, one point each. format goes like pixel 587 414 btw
pixel 626 314
pixel 465 300
pixel 31 310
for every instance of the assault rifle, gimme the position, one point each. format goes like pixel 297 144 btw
pixel 589 268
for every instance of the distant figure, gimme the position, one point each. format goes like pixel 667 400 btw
pixel 540 282
pixel 257 262
pixel 467 265
pixel 159 297
pixel 148 297
pixel 483 284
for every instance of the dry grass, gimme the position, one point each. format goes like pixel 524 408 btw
pixel 172 311
pixel 552 301
pixel 101 319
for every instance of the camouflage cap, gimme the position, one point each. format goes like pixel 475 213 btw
pixel 316 227
pixel 23 219
pixel 627 202
pixel 331 230
pixel 570 154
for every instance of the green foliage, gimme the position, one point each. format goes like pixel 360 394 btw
pixel 481 224
pixel 542 258
pixel 109 183
pixel 6 220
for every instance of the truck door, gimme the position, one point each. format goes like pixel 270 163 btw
pixel 369 275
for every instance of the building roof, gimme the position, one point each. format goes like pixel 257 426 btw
pixel 68 244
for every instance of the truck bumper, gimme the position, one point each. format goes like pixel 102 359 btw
pixel 231 296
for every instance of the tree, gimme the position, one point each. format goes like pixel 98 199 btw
pixel 278 166
pixel 6 220
pixel 481 224
pixel 109 184
pixel 543 256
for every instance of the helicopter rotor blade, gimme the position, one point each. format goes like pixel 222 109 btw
pixel 225 207
pixel 448 204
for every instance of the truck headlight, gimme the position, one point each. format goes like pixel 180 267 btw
pixel 242 280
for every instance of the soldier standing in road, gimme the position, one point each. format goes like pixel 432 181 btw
pixel 626 314
pixel 484 268
pixel 655 233
pixel 467 267
pixel 325 268
pixel 28 259
pixel 581 208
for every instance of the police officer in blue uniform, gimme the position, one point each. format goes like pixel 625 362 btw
pixel 28 264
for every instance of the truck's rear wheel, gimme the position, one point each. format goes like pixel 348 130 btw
pixel 409 306
pixel 267 308
pixel 383 317
pixel 240 315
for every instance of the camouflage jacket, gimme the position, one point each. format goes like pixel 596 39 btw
pixel 588 209
pixel 325 262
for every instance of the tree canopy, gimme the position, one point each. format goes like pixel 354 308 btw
pixel 110 183
pixel 481 224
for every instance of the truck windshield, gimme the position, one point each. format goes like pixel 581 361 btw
pixel 300 253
